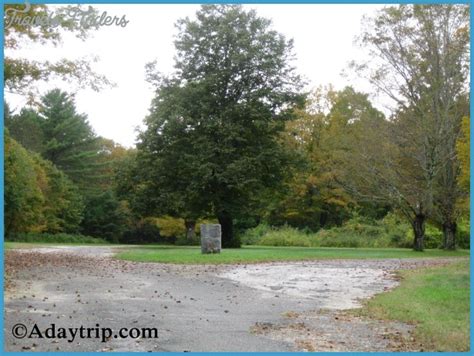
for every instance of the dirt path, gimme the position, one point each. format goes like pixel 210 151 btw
pixel 264 307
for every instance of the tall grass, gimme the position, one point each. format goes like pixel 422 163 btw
pixel 357 232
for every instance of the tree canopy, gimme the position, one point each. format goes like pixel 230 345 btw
pixel 22 74
pixel 38 196
pixel 420 59
pixel 211 139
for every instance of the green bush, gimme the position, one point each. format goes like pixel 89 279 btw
pixel 252 236
pixel 463 234
pixel 391 231
pixel 357 232
pixel 54 238
pixel 352 235
pixel 146 231
pixel 334 238
pixel 396 229
pixel 170 226
pixel 433 237
pixel 174 228
pixel 285 236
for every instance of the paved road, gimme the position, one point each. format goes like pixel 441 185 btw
pixel 264 307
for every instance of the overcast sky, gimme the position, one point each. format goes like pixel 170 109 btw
pixel 323 37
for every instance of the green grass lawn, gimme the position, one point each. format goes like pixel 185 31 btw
pixel 192 255
pixel 436 299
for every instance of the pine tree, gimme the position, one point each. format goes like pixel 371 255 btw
pixel 69 141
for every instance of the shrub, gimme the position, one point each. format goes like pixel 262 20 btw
pixel 391 231
pixel 170 227
pixel 334 238
pixel 396 230
pixel 285 236
pixel 357 232
pixel 347 236
pixel 252 236
pixel 174 227
pixel 463 234
pixel 54 238
pixel 146 231
pixel 433 237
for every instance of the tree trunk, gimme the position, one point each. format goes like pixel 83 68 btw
pixel 190 229
pixel 227 230
pixel 449 233
pixel 418 225
pixel 323 218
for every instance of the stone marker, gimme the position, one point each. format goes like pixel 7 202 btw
pixel 210 238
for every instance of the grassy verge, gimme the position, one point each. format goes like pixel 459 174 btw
pixel 436 300
pixel 192 255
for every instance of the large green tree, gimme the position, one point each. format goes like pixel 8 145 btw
pixel 104 217
pixel 69 141
pixel 63 205
pixel 38 196
pixel 23 198
pixel 73 140
pixel 315 199
pixel 25 128
pixel 211 143
pixel 420 59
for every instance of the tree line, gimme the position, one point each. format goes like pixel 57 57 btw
pixel 232 135
pixel 58 171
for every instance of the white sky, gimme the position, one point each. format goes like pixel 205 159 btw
pixel 323 36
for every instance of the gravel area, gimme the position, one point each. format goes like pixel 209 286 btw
pixel 296 306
